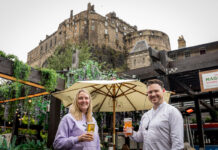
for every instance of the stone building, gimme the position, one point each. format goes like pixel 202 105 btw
pixel 138 43
pixel 183 53
pixel 98 30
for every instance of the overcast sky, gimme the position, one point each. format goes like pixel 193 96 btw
pixel 23 23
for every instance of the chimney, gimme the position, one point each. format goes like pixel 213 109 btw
pixel 71 14
pixel 181 42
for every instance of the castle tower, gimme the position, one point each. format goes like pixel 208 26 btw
pixel 181 42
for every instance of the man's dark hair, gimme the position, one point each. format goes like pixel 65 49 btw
pixel 155 81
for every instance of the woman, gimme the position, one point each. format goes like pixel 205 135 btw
pixel 72 134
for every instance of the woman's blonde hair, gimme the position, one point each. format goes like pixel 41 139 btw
pixel 76 112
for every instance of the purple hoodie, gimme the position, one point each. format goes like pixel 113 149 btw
pixel 67 136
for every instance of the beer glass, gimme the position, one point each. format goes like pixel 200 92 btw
pixel 90 127
pixel 128 126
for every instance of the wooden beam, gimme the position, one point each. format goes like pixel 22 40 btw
pixel 21 81
pixel 21 98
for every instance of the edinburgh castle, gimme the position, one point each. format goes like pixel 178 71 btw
pixel 101 31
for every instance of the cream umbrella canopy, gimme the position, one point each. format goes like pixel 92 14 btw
pixel 111 96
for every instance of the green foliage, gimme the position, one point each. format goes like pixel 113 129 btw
pixel 62 57
pixel 29 145
pixel 84 53
pixel 33 145
pixel 11 146
pixel 49 79
pixel 21 70
pixel 90 70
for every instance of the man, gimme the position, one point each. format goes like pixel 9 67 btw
pixel 161 128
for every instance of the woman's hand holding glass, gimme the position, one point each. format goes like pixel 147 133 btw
pixel 87 137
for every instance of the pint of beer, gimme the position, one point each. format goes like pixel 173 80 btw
pixel 91 127
pixel 128 126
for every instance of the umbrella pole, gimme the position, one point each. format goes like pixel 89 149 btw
pixel 114 116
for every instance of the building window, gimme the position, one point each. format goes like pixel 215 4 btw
pixel 124 33
pixel 55 40
pixel 117 24
pixel 75 28
pixel 93 21
pixel 173 56
pixel 41 49
pixel 106 24
pixel 202 52
pixel 85 22
pixel 134 62
pixel 106 31
pixel 46 46
pixel 116 29
pixel 93 28
pixel 50 43
pixel 187 54
pixel 140 33
pixel 117 37
pixel 143 60
pixel 124 28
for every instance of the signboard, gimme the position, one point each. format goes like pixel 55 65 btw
pixel 209 80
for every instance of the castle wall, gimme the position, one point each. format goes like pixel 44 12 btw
pixel 155 39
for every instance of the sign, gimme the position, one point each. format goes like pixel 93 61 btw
pixel 209 80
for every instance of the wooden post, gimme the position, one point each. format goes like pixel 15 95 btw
pixel 54 119
pixel 114 116
pixel 199 124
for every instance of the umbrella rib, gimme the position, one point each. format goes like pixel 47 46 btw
pixel 132 88
pixel 136 90
pixel 98 90
pixel 129 101
pixel 118 88
pixel 104 99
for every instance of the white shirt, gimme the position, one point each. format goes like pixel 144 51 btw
pixel 161 129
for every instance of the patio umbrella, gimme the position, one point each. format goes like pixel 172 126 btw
pixel 110 96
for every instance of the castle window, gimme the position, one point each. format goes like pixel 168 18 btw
pixel 106 24
pixel 117 37
pixel 124 28
pixel 93 21
pixel 85 22
pixel 55 40
pixel 105 31
pixel 93 28
pixel 41 49
pixel 134 62
pixel 116 29
pixel 187 54
pixel 124 33
pixel 173 56
pixel 72 23
pixel 140 33
pixel 202 51
pixel 75 28
pixel 50 43
pixel 46 46
pixel 117 24
pixel 143 60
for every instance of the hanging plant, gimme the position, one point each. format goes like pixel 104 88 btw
pixel 49 79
